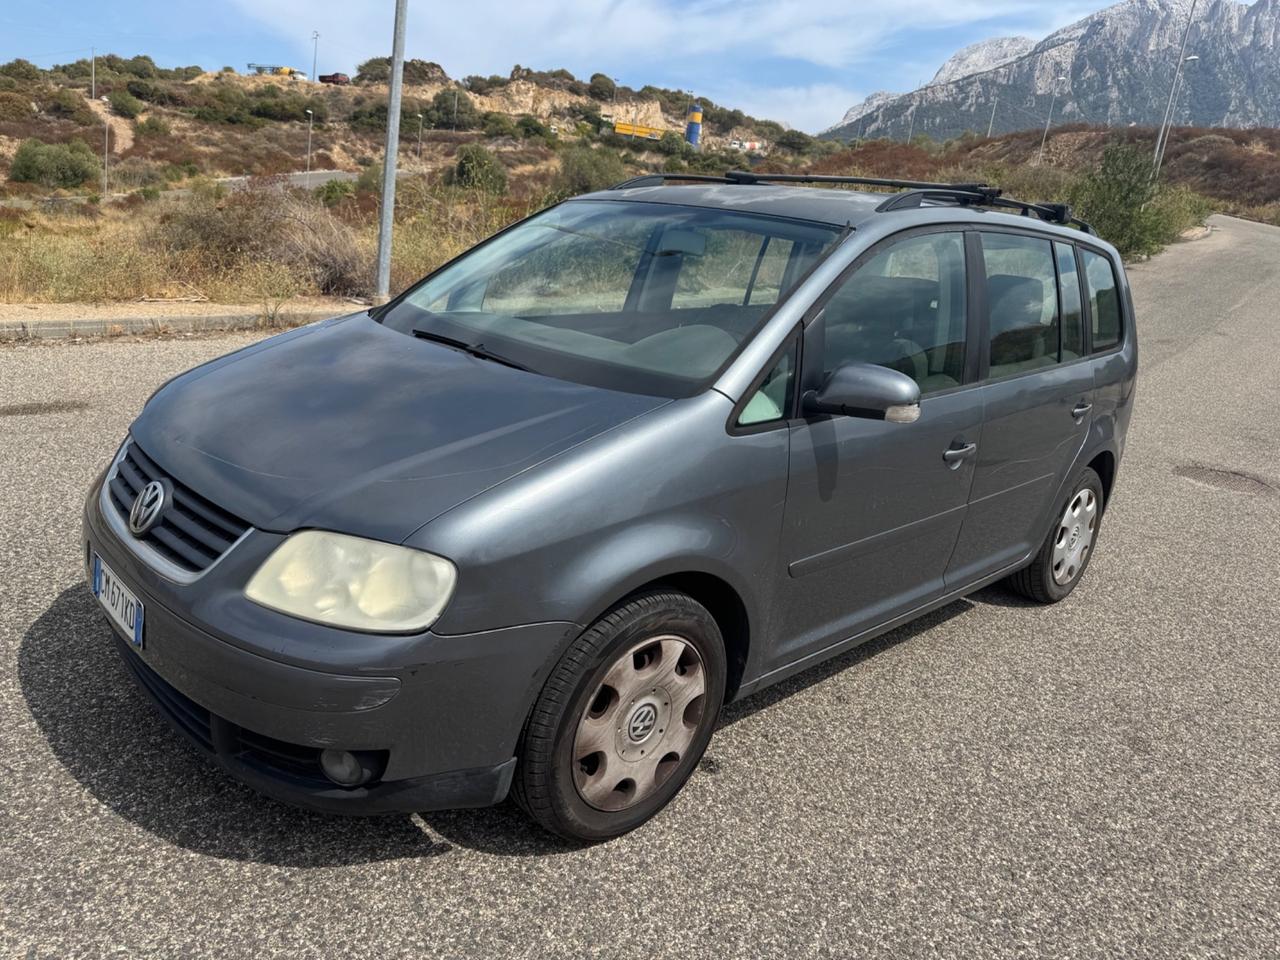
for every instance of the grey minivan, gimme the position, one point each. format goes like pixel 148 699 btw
pixel 526 528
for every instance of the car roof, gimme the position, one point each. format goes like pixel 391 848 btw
pixel 837 207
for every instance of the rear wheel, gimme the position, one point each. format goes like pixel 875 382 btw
pixel 623 719
pixel 1067 550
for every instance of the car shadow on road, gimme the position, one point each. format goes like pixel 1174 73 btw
pixel 109 738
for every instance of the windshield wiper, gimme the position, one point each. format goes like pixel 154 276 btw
pixel 474 349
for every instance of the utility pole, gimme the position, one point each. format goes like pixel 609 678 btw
pixel 93 73
pixel 1053 102
pixel 310 118
pixel 315 52
pixel 419 136
pixel 382 289
pixel 992 125
pixel 1163 144
pixel 106 152
pixel 911 129
pixel 455 108
pixel 1168 110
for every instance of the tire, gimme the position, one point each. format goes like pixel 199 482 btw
pixel 586 739
pixel 1060 563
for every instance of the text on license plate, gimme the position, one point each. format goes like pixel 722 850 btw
pixel 118 600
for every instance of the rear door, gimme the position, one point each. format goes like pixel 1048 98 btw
pixel 874 508
pixel 1037 393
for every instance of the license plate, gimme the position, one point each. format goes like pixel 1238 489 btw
pixel 118 600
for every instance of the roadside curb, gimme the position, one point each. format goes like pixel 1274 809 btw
pixel 12 330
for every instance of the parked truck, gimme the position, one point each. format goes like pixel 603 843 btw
pixel 337 79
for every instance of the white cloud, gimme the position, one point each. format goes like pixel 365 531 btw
pixel 639 38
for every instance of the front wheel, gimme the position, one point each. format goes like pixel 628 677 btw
pixel 624 718
pixel 1067 550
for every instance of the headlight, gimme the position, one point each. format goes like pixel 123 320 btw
pixel 355 583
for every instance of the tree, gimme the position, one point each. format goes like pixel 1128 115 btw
pixel 796 141
pixel 374 70
pixel 21 70
pixel 452 109
pixel 601 88
pixel 671 143
pixel 499 125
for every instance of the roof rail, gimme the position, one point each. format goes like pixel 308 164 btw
pixel 915 192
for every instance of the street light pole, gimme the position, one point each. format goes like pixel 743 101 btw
pixel 1053 102
pixel 992 125
pixel 1163 144
pixel 382 288
pixel 106 151
pixel 419 136
pixel 1168 110
pixel 93 73
pixel 315 52
pixel 310 119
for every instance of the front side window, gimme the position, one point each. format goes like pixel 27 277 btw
pixel 1104 300
pixel 643 297
pixel 1022 303
pixel 904 309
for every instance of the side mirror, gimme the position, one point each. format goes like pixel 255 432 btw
pixel 868 391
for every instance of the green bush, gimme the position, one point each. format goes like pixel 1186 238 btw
pixel 484 85
pixel 151 127
pixel 125 104
pixel 479 169
pixel 531 127
pixel 374 70
pixel 54 164
pixel 601 87
pixel 584 170
pixel 499 125
pixel 333 192
pixel 21 70
pixel 69 105
pixel 15 108
pixel 1126 208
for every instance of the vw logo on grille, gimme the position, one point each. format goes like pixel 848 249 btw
pixel 642 722
pixel 147 507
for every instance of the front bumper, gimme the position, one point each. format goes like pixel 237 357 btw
pixel 263 695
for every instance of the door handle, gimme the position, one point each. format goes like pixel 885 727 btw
pixel 1081 409
pixel 957 455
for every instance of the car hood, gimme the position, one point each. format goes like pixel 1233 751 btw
pixel 350 426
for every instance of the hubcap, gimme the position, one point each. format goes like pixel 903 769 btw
pixel 1074 539
pixel 639 723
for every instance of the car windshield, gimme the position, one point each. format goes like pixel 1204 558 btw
pixel 642 297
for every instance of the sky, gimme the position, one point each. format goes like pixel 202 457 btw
pixel 802 62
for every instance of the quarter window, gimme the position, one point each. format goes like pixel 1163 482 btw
pixel 904 309
pixel 1104 300
pixel 770 402
pixel 1022 301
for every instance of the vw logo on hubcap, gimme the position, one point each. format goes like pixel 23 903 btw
pixel 642 722
pixel 147 507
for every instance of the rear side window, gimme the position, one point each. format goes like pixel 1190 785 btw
pixel 904 309
pixel 1072 304
pixel 1022 303
pixel 1104 300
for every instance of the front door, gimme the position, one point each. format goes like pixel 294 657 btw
pixel 874 508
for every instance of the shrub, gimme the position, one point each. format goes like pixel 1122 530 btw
pixel 530 127
pixel 1115 199
pixel 479 169
pixel 21 70
pixel 374 70
pixel 70 106
pixel 151 127
pixel 481 86
pixel 671 143
pixel 499 125
pixel 795 141
pixel 54 164
pixel 333 192
pixel 125 104
pixel 453 109
pixel 583 170
pixel 15 108
pixel 601 87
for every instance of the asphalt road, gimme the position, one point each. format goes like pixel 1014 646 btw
pixel 1098 779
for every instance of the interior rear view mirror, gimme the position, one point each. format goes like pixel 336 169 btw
pixel 689 242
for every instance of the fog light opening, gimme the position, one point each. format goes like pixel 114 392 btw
pixel 347 769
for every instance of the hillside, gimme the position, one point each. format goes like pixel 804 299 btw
pixel 1118 66
pixel 168 125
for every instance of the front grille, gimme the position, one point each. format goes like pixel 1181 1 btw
pixel 216 735
pixel 192 532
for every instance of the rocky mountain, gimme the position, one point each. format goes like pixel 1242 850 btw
pixel 1116 67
